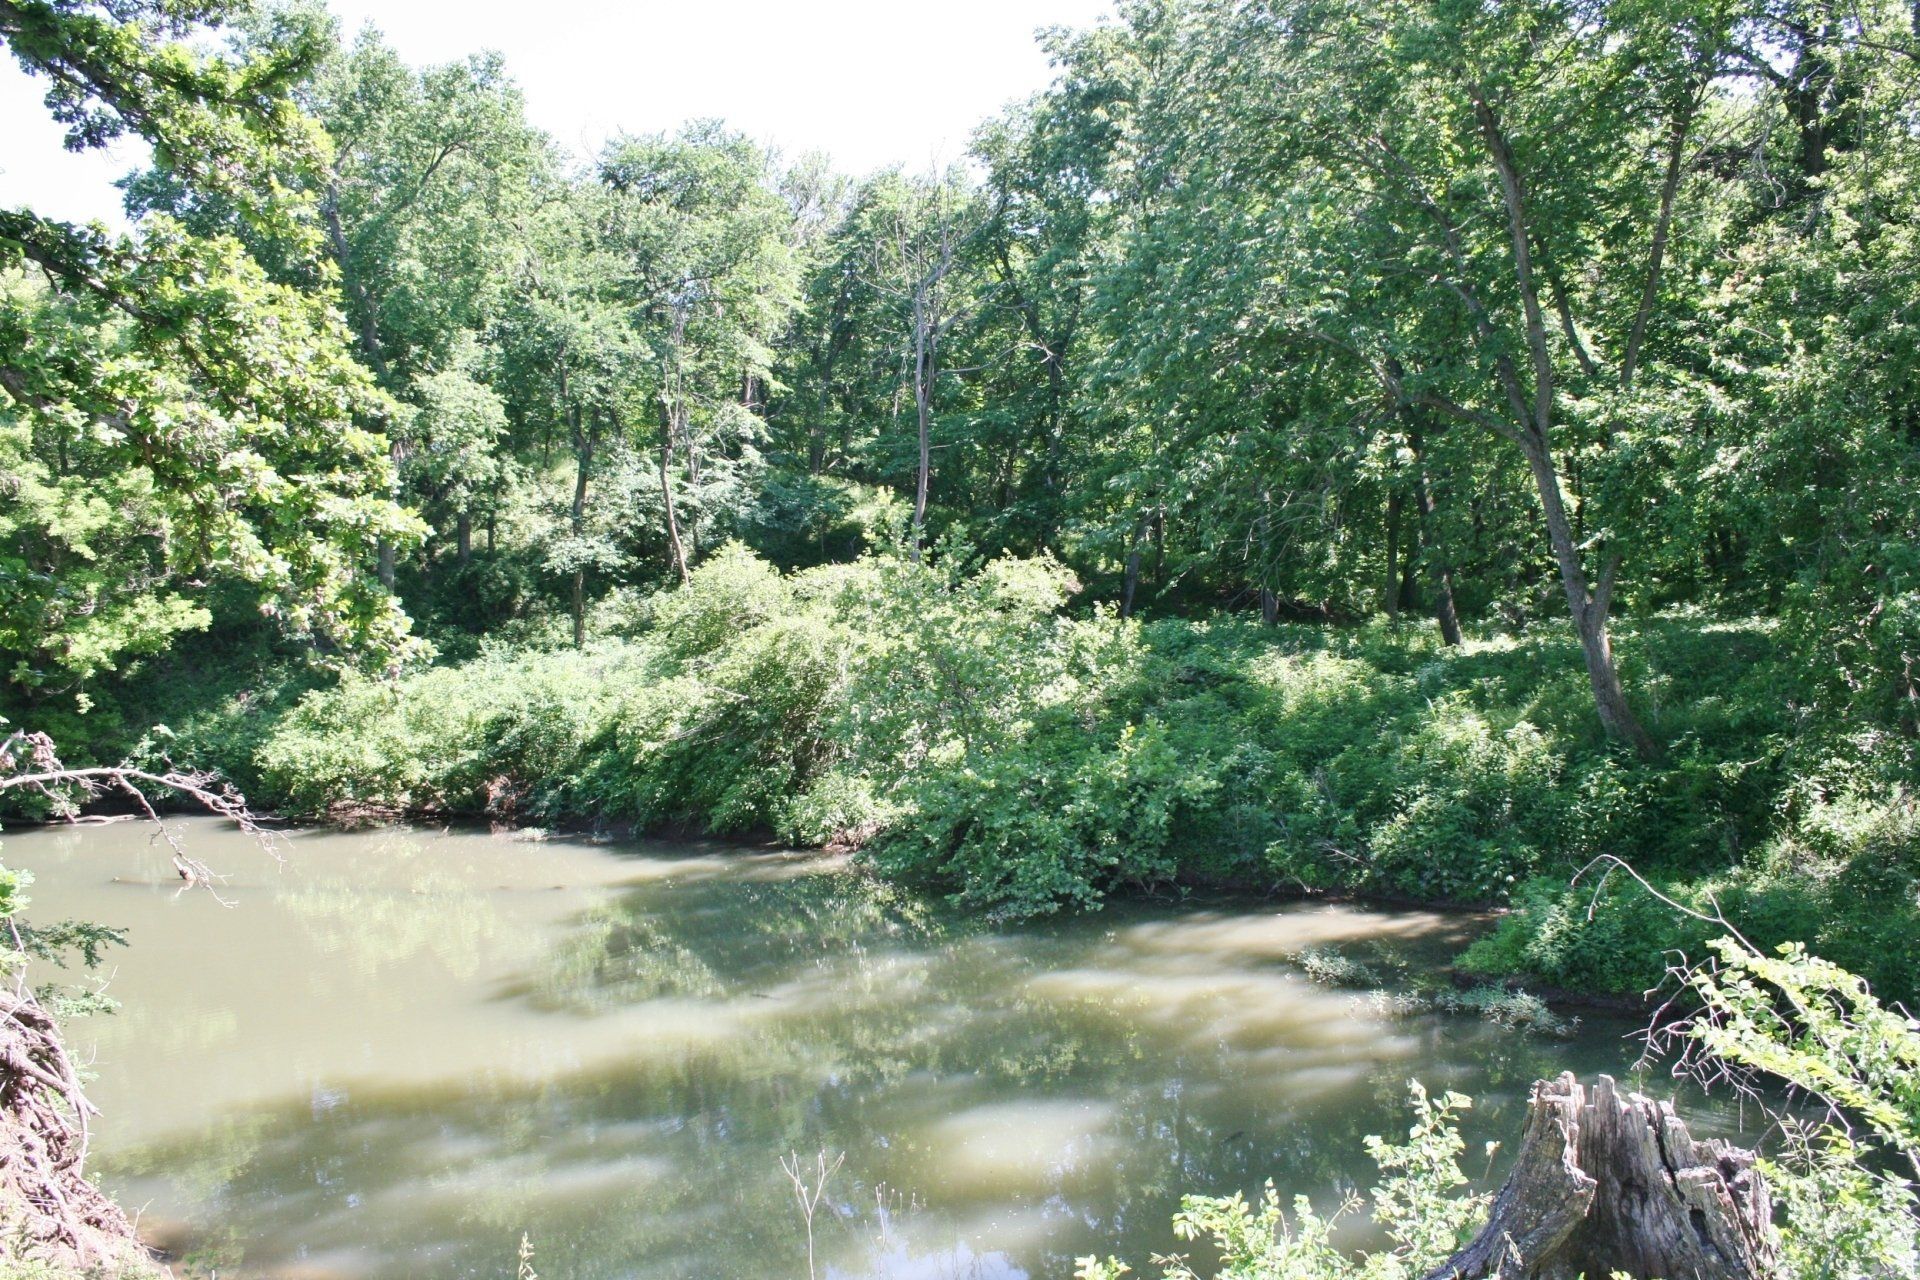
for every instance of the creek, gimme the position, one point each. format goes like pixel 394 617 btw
pixel 392 1053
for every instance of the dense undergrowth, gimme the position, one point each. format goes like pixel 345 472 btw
pixel 959 728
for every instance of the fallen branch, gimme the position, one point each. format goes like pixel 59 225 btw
pixel 29 762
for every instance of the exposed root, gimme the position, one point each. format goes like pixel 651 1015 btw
pixel 49 1211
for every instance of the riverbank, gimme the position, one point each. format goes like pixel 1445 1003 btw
pixel 960 732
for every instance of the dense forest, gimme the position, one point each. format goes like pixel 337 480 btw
pixel 1422 450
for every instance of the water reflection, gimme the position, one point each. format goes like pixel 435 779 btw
pixel 400 1051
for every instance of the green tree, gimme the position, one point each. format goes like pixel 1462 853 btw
pixel 171 412
pixel 705 263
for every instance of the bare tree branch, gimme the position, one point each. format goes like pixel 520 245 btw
pixel 30 763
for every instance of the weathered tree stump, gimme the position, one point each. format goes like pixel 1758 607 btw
pixel 1606 1183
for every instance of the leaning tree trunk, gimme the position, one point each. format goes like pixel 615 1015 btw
pixel 1587 605
pixel 1606 1185
pixel 1444 612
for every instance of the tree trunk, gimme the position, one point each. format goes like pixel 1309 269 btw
pixel 366 323
pixel 579 607
pixel 923 406
pixel 463 538
pixel 1657 252
pixel 673 409
pixel 1052 350
pixel 1606 1185
pixel 1443 608
pixel 1269 598
pixel 583 438
pixel 1408 592
pixel 1443 611
pixel 690 530
pixel 1535 434
pixel 1160 547
pixel 1133 567
pixel 674 546
pixel 368 331
pixel 1588 606
pixel 1390 590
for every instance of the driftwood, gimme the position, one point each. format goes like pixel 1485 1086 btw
pixel 1608 1183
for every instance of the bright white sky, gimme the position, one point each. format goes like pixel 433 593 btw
pixel 870 82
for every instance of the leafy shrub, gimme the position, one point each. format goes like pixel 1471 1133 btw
pixel 950 720
pixel 1329 968
pixel 1802 1020
pixel 1516 1010
pixel 725 743
pixel 1843 876
pixel 1842 1220
pixel 502 734
pixel 1418 1205
pixel 731 592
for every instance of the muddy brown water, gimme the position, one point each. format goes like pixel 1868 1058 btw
pixel 390 1054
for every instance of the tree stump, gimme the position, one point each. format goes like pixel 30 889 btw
pixel 1606 1183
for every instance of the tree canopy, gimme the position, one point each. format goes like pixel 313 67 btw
pixel 172 411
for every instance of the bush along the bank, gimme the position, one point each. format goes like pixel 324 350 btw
pixel 1841 874
pixel 953 723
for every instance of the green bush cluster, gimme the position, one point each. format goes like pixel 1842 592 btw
pixel 1840 874
pixel 951 720
pixel 501 734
